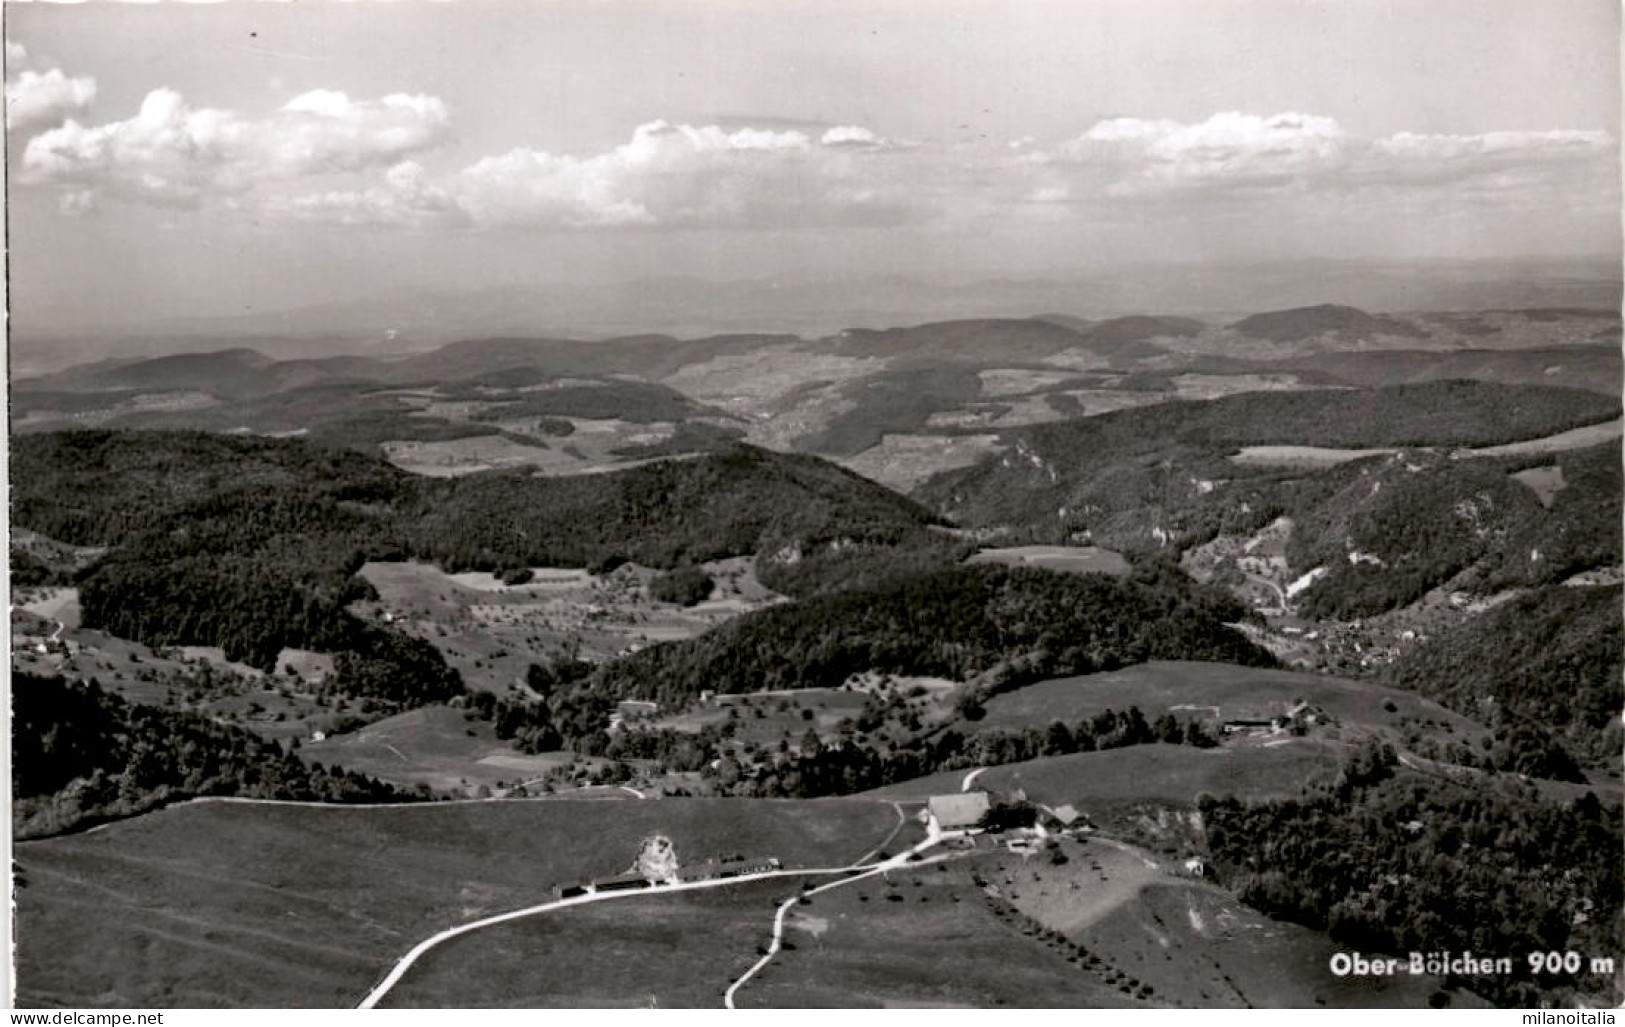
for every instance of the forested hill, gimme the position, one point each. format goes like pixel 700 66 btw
pixel 738 502
pixel 1484 865
pixel 83 755
pixel 1420 520
pixel 1133 478
pixel 252 544
pixel 1551 657
pixel 1017 623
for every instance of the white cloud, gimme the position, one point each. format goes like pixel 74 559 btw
pixel 1232 154
pixel 36 100
pixel 1409 157
pixel 173 154
pixel 405 199
pixel 40 97
pixel 666 175
pixel 850 135
pixel 323 158
pixel 1228 149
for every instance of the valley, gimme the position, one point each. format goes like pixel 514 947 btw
pixel 414 642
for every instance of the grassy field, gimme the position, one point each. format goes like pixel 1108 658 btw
pixel 904 461
pixel 1074 559
pixel 1196 945
pixel 1217 692
pixel 57 604
pixel 765 719
pixel 193 678
pixel 679 950
pixel 1545 482
pixel 1577 438
pixel 433 745
pixel 1189 942
pixel 1321 456
pixel 491 633
pixel 213 904
pixel 919 938
pixel 970 933
pixel 1172 774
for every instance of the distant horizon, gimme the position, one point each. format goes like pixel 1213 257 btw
pixel 689 311
pixel 171 162
pixel 1608 267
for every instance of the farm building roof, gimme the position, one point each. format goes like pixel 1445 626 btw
pixel 965 809
pixel 1067 815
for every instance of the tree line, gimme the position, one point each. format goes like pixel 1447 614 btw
pixel 959 623
pixel 82 756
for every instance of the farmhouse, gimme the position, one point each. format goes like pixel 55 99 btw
pixel 1068 816
pixel 959 812
pixel 631 709
pixel 620 882
pixel 1251 723
pixel 1302 716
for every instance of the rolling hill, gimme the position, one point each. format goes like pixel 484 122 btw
pixel 961 341
pixel 1124 477
pixel 1551 658
pixel 1216 692
pixel 1594 367
pixel 1345 324
pixel 253 544
pixel 959 624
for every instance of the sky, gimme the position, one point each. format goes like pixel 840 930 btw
pixel 170 160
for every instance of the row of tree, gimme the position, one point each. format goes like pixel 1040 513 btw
pixel 856 765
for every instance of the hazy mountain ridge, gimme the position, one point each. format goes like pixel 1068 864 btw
pixel 1327 319
pixel 817 305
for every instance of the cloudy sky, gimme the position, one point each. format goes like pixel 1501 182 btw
pixel 170 160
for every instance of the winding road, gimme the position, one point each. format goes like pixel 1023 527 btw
pixel 774 946
pixel 855 871
pixel 406 962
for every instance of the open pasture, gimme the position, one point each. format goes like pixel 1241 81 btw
pixel 1322 456
pixel 660 951
pixel 903 461
pixel 1215 692
pixel 1071 559
pixel 921 937
pixel 56 604
pixel 195 678
pixel 1545 482
pixel 765 718
pixel 433 745
pixel 1197 945
pixel 265 905
pixel 1159 774
pixel 491 633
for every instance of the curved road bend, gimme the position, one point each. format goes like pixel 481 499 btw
pixel 774 946
pixel 399 970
